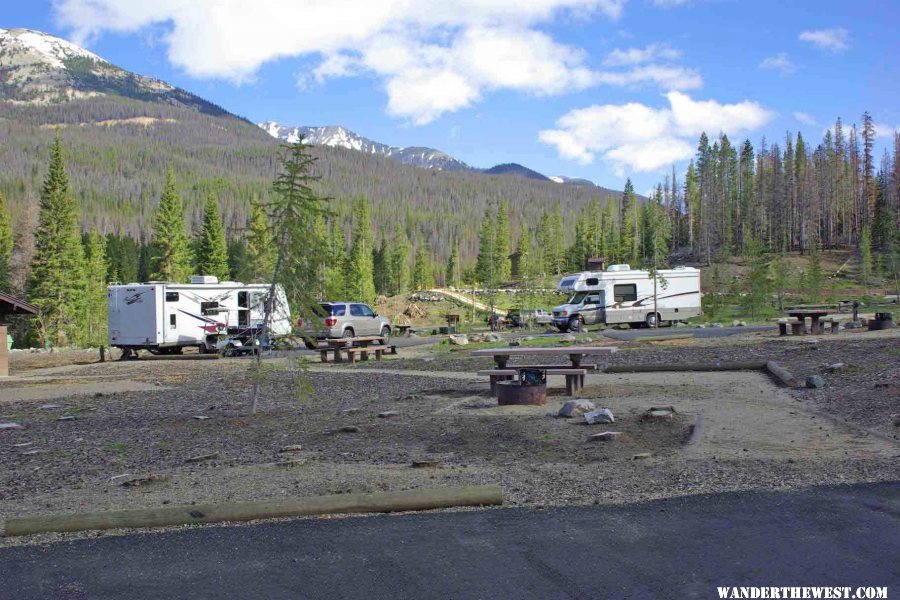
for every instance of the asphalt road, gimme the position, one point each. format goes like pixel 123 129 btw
pixel 676 548
pixel 707 332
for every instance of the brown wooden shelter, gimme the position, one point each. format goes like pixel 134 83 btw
pixel 10 306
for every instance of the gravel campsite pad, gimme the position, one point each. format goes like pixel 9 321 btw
pixel 183 433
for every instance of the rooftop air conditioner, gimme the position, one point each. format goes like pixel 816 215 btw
pixel 618 268
pixel 204 279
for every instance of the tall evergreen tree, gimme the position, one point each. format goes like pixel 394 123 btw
pixel 212 251
pixel 486 263
pixel 502 245
pixel 401 249
pixel 813 277
pixel 610 231
pixel 96 269
pixel 453 278
pixel 758 283
pixel 336 264
pixel 6 249
pixel 423 275
pixel 382 268
pixel 261 248
pixel 171 250
pixel 361 269
pixel 865 258
pixel 57 281
pixel 630 240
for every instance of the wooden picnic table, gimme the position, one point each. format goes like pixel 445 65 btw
pixel 363 341
pixel 357 345
pixel 814 314
pixel 575 353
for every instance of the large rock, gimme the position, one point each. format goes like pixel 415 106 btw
pixel 576 408
pixel 603 415
pixel 459 340
pixel 492 337
pixel 476 338
pixel 567 339
pixel 835 367
pixel 815 382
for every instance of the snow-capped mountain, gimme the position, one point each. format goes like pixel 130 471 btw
pixel 339 137
pixel 570 180
pixel 38 68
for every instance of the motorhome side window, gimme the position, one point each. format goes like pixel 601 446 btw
pixel 209 308
pixel 625 292
pixel 171 296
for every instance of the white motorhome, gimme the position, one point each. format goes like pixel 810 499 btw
pixel 621 294
pixel 212 315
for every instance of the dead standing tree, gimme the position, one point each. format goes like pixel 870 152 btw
pixel 293 213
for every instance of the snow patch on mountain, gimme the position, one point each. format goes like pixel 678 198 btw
pixel 54 50
pixel 336 136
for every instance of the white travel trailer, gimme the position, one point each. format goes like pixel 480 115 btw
pixel 625 295
pixel 212 315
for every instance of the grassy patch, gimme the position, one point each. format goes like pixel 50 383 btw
pixel 119 447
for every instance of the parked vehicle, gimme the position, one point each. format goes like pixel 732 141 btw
pixel 343 320
pixel 212 315
pixel 625 295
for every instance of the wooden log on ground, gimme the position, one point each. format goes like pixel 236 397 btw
pixel 716 366
pixel 197 356
pixel 782 374
pixel 426 499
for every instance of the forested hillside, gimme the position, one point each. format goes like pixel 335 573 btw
pixel 118 151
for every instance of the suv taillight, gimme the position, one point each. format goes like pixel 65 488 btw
pixel 330 322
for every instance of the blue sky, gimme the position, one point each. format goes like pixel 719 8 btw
pixel 601 89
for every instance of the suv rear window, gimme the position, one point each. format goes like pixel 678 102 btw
pixel 333 310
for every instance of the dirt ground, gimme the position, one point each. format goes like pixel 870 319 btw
pixel 140 418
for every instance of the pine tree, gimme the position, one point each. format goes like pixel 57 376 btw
pixel 382 269
pixel 95 293
pixel 423 277
pixel 781 278
pixel 502 248
pixel 260 247
pixel 813 277
pixel 865 258
pixel 6 249
pixel 57 281
pixel 453 269
pixel 610 232
pixel 238 260
pixel 758 284
pixel 399 262
pixel 485 264
pixel 171 259
pixel 335 269
pixel 361 269
pixel 212 251
pixel 630 239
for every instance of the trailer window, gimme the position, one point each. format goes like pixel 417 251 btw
pixel 209 308
pixel 171 296
pixel 625 292
pixel 172 321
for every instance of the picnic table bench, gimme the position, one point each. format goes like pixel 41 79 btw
pixel 357 347
pixel 815 316
pixel 574 373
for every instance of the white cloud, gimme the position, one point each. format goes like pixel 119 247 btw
pixel 883 130
pixel 833 40
pixel 432 56
pixel 781 63
pixel 666 77
pixel 637 137
pixel 805 118
pixel 636 56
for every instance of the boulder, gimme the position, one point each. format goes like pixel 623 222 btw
pixel 605 436
pixel 815 381
pixel 567 339
pixel 515 343
pixel 476 338
pixel 576 408
pixel 527 338
pixel 716 325
pixel 492 337
pixel 459 340
pixel 603 415
pixel 701 326
pixel 836 367
pixel 736 323
pixel 852 325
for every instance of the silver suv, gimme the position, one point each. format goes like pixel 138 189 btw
pixel 344 320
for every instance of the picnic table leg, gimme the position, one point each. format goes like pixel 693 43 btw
pixel 501 361
pixel 576 360
pixel 814 327
pixel 324 355
pixel 570 385
pixel 365 354
pixel 337 354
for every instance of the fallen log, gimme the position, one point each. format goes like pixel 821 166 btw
pixel 782 374
pixel 716 366
pixel 425 499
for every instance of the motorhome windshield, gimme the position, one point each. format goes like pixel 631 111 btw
pixel 578 298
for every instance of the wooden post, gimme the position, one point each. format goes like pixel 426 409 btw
pixel 103 354
pixel 423 499
pixel 4 352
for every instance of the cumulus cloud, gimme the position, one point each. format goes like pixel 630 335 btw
pixel 883 130
pixel 781 63
pixel 635 56
pixel 432 56
pixel 805 118
pixel 637 137
pixel 833 40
